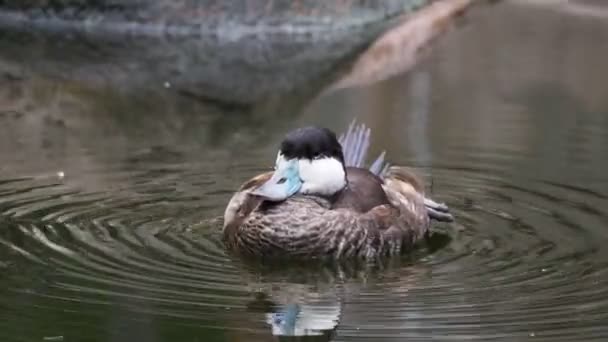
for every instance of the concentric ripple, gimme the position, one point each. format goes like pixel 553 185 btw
pixel 87 250
pixel 523 260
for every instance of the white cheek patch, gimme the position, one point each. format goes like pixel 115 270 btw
pixel 323 176
pixel 280 159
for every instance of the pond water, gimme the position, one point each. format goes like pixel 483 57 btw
pixel 109 201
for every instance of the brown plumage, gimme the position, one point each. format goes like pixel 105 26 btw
pixel 371 217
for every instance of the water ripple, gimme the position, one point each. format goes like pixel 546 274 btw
pixel 523 260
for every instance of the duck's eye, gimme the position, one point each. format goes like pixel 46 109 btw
pixel 282 180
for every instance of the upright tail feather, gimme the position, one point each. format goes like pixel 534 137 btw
pixel 355 144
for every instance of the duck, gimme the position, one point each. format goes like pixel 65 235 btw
pixel 321 202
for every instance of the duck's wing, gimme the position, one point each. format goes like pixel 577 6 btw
pixel 242 204
pixel 407 183
pixel 355 144
pixel 256 181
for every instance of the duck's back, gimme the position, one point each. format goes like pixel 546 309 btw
pixel 364 191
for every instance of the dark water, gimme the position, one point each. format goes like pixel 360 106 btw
pixel 109 202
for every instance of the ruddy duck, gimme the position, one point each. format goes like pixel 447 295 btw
pixel 320 202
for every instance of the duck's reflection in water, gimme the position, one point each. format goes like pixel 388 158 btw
pixel 313 315
pixel 313 303
pixel 293 306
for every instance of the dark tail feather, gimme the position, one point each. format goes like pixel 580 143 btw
pixel 355 144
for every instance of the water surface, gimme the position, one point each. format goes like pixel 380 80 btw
pixel 109 202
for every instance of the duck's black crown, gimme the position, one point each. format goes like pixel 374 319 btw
pixel 311 143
